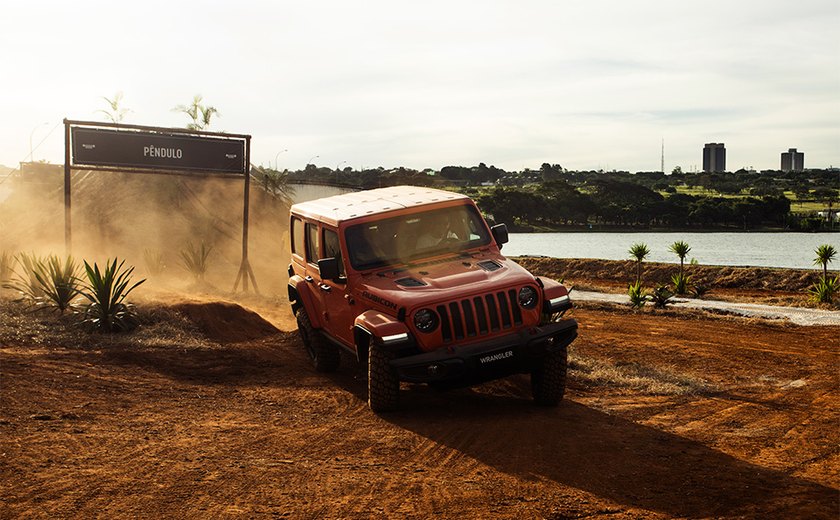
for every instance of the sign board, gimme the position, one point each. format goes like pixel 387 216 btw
pixel 113 146
pixel 157 151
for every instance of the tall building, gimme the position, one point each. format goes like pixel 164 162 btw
pixel 793 161
pixel 714 157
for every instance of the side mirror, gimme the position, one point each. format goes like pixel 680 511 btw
pixel 328 268
pixel 500 234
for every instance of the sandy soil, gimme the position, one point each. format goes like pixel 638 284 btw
pixel 208 411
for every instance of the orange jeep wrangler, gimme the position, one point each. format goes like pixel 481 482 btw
pixel 412 283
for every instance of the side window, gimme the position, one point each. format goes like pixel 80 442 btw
pixel 332 248
pixel 297 236
pixel 312 249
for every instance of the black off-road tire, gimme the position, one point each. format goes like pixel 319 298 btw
pixel 383 383
pixel 324 355
pixel 548 379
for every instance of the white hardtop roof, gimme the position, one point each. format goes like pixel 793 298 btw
pixel 350 206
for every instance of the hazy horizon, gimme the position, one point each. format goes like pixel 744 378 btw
pixel 594 86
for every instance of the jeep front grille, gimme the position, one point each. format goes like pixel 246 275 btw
pixel 479 315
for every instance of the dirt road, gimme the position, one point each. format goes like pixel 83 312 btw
pixel 667 415
pixel 797 315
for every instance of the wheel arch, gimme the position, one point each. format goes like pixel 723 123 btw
pixel 300 296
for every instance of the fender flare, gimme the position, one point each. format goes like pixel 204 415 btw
pixel 552 288
pixel 300 295
pixel 374 326
pixel 555 297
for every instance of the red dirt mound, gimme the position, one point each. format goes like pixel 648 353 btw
pixel 776 286
pixel 226 322
pixel 624 271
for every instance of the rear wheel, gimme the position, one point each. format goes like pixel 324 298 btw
pixel 324 355
pixel 548 380
pixel 383 383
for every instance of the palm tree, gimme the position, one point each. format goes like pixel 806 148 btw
pixel 639 252
pixel 276 183
pixel 681 249
pixel 116 113
pixel 825 254
pixel 199 113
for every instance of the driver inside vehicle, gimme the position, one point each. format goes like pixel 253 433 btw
pixel 436 231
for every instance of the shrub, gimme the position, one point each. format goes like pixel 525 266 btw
pixel 699 290
pixel 25 280
pixel 637 295
pixel 661 296
pixel 681 282
pixel 154 262
pixel 59 281
pixel 194 259
pixel 6 261
pixel 106 290
pixel 47 282
pixel 824 290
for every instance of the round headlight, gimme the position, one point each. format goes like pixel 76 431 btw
pixel 528 297
pixel 425 320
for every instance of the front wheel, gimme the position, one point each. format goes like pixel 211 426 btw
pixel 324 355
pixel 383 383
pixel 548 379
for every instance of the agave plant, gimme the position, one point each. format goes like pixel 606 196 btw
pixel 154 262
pixel 824 290
pixel 59 281
pixel 6 261
pixel 48 282
pixel 194 259
pixel 637 295
pixel 24 279
pixel 639 252
pixel 681 282
pixel 699 290
pixel 106 290
pixel 661 296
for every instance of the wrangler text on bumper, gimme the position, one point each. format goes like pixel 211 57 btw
pixel 466 365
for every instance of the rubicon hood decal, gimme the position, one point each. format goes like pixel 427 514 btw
pixel 379 300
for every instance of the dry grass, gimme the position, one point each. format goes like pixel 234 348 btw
pixel 161 327
pixel 634 377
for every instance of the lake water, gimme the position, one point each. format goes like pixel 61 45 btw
pixel 736 249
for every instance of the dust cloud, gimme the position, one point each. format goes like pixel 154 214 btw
pixel 138 217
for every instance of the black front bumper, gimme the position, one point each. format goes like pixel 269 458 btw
pixel 488 360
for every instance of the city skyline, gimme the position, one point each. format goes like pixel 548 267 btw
pixel 585 86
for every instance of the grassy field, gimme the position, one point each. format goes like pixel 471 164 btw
pixel 796 205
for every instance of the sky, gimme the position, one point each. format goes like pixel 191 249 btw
pixel 587 85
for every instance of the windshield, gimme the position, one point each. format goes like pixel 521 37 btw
pixel 418 235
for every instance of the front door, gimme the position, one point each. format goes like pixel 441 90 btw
pixel 336 306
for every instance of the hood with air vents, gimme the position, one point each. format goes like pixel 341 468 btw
pixel 411 285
